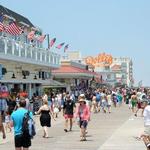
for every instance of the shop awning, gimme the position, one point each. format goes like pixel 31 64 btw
pixel 71 71
pixel 15 81
pixel 52 83
pixel 44 83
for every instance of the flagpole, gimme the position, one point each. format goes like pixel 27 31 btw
pixel 48 41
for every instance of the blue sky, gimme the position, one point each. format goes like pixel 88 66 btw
pixel 118 27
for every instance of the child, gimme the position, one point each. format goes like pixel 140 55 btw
pixel 7 122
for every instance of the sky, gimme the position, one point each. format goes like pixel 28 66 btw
pixel 117 27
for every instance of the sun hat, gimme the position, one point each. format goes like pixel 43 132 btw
pixel 82 95
pixel 81 100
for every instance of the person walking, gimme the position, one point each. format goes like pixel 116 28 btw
pixel 146 135
pixel 82 114
pixel 3 108
pixel 68 109
pixel 45 118
pixel 21 142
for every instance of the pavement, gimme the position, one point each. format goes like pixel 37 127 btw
pixel 114 131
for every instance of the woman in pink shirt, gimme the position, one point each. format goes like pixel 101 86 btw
pixel 82 114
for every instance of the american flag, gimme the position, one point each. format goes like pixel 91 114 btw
pixel 41 38
pixel 13 29
pixel 66 47
pixel 60 46
pixel 52 42
pixel 31 35
pixel 1 27
pixel 1 23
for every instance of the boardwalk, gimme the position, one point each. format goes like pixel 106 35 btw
pixel 113 131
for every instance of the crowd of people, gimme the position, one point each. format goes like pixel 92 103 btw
pixel 75 105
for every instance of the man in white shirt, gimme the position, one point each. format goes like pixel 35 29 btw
pixel 146 114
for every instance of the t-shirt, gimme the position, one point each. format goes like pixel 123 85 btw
pixel 68 107
pixel 17 118
pixel 146 115
pixel 98 97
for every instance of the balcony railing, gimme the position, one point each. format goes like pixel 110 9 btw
pixel 27 53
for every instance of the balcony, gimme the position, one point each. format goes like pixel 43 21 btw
pixel 21 52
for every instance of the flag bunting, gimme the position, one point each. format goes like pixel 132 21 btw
pixel 66 47
pixel 52 42
pixel 60 46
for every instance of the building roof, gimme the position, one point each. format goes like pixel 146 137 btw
pixel 18 17
pixel 73 70
pixel 70 69
pixel 116 67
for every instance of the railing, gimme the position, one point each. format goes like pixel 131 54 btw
pixel 27 53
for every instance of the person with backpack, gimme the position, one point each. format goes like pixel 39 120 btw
pixel 22 142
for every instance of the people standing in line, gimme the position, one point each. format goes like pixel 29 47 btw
pixel 45 118
pixel 21 142
pixel 82 114
pixel 68 110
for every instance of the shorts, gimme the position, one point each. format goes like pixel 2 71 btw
pixel 21 141
pixel 133 104
pixel 147 130
pixel 68 116
pixel 83 123
pixel 139 105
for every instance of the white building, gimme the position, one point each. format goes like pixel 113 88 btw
pixel 123 67
pixel 24 64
